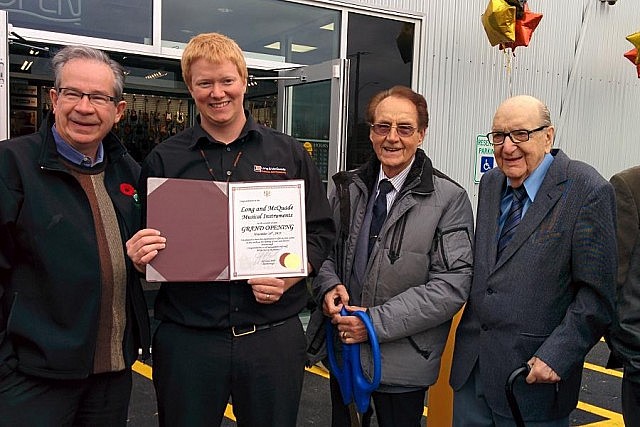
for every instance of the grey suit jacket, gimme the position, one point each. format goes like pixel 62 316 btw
pixel 551 293
pixel 625 338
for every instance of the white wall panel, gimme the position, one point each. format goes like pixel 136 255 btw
pixel 602 101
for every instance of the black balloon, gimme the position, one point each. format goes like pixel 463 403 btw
pixel 519 4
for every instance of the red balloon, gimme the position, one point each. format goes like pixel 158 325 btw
pixel 524 29
pixel 632 56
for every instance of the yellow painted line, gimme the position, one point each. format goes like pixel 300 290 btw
pixel 143 369
pixel 318 370
pixel 614 419
pixel 228 412
pixel 602 370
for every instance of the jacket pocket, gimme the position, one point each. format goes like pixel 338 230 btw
pixel 453 248
pixel 528 343
pixel 427 342
pixel 548 236
pixel 424 352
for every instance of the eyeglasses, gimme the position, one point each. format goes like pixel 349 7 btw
pixel 383 129
pixel 517 136
pixel 73 96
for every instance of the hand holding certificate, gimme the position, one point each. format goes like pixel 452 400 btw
pixel 227 231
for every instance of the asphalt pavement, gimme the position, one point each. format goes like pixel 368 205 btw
pixel 599 404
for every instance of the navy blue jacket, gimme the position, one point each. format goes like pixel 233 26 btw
pixel 550 295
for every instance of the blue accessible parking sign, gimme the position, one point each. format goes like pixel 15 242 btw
pixel 484 157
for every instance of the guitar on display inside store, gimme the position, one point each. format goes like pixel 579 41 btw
pixel 133 117
pixel 180 118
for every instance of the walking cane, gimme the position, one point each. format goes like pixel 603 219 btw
pixel 511 398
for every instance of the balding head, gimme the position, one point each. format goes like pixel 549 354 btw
pixel 525 105
pixel 518 159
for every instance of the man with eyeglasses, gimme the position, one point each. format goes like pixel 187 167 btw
pixel 73 318
pixel 403 255
pixel 543 285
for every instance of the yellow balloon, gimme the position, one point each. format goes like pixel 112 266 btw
pixel 499 22
pixel 635 40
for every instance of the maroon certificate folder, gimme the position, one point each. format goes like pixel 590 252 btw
pixel 193 216
pixel 223 231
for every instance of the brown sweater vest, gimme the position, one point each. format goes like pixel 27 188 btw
pixel 108 355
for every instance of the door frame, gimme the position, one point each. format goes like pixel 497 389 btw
pixel 336 71
pixel 4 75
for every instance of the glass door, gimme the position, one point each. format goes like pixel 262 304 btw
pixel 4 76
pixel 313 102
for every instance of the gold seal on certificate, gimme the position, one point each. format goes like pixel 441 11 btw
pixel 227 231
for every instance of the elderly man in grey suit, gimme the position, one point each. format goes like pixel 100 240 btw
pixel 543 285
pixel 625 337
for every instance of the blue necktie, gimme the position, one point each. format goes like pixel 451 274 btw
pixel 379 212
pixel 513 218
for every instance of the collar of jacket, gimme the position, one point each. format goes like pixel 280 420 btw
pixel 49 157
pixel 419 179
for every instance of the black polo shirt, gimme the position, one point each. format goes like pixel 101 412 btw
pixel 258 154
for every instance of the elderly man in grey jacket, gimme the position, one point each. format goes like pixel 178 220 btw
pixel 413 274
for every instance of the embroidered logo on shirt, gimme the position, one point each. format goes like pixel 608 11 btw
pixel 270 169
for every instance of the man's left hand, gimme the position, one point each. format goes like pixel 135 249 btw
pixel 268 290
pixel 351 329
pixel 540 372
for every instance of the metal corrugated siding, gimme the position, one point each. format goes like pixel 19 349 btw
pixel 395 5
pixel 574 64
pixel 602 102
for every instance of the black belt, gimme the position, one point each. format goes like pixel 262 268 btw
pixel 239 331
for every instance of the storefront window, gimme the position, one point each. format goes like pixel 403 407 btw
pixel 380 50
pixel 268 29
pixel 123 20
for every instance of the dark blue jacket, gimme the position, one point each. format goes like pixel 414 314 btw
pixel 551 293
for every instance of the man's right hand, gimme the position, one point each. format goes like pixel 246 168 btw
pixel 334 300
pixel 144 246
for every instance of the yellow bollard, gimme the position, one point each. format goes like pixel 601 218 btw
pixel 440 400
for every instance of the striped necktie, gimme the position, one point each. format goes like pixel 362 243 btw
pixel 513 218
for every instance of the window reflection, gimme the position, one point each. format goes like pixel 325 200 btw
pixel 122 20
pixel 269 29
pixel 380 51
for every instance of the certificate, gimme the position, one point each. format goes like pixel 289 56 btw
pixel 227 231
pixel 267 229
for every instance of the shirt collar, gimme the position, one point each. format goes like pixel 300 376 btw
pixel 73 155
pixel 201 138
pixel 534 181
pixel 398 180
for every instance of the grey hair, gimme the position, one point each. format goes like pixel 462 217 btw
pixel 70 53
pixel 545 115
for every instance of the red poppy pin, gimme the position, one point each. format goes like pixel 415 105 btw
pixel 129 190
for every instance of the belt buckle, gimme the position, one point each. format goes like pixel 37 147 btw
pixel 240 334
